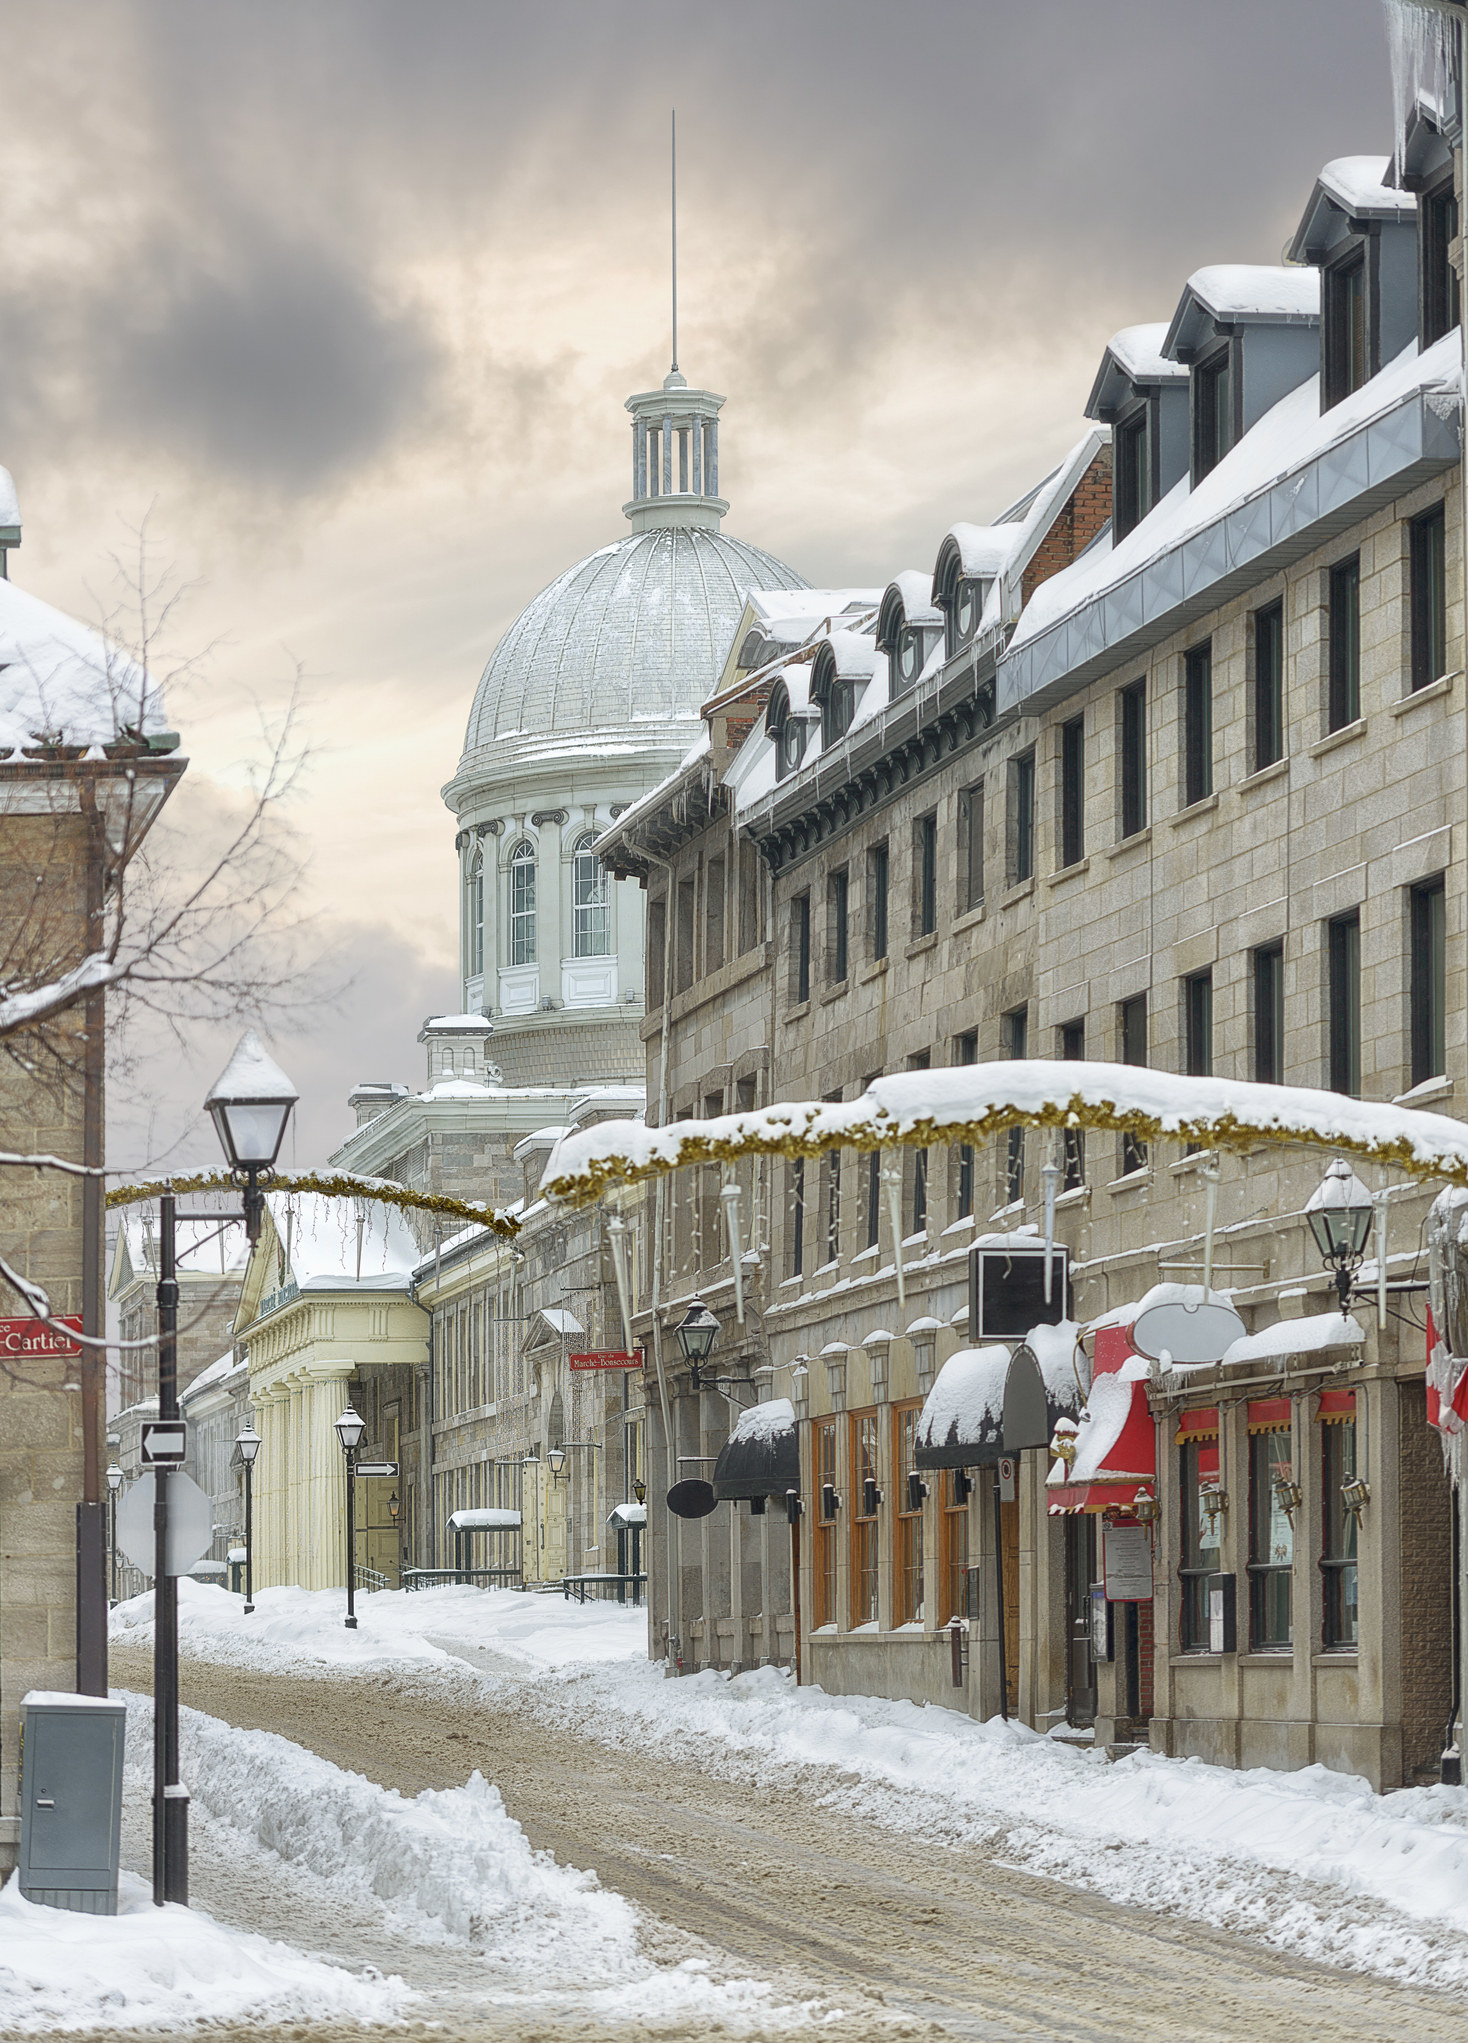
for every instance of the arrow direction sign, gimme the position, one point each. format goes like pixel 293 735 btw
pixel 165 1442
pixel 190 1523
pixel 377 1468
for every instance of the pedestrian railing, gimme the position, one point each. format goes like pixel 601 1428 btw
pixel 429 1578
pixel 369 1578
pixel 604 1586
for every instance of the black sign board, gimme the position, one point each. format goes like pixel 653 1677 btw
pixel 1006 1291
pixel 692 1498
pixel 163 1443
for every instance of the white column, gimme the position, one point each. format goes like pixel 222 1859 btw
pixel 326 1388
pixel 667 454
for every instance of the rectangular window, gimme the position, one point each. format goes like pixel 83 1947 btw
pixel 713 916
pixel 1198 1024
pixel 874 1198
pixel 966 1051
pixel 749 897
pixel 970 848
pixel 1201 1532
pixel 1427 908
pixel 838 890
pixel 1268 974
pixel 925 875
pixel 907 1554
pixel 1016 1032
pixel 1268 686
pixel 953 1574
pixel 683 955
pixel 1073 1156
pixel 865 1477
pixel 1021 818
pixel 800 949
pixel 1132 487
pixel 1429 599
pixel 1345 329
pixel 1212 393
pixel 657 937
pixel 1437 226
pixel 1344 628
pixel 1132 746
pixel 1132 1032
pixel 1338 1558
pixel 1271 1538
pixel 1343 1002
pixel 797 1217
pixel 823 1455
pixel 1073 791
pixel 877 877
pixel 1197 724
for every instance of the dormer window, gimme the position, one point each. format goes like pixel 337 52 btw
pixel 1212 411
pixel 786 732
pixel 968 608
pixel 1131 455
pixel 1346 355
pixel 912 654
pixel 792 745
pixel 1437 231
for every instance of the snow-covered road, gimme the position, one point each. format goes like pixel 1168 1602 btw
pixel 810 1850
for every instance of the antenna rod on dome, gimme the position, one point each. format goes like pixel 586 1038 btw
pixel 675 240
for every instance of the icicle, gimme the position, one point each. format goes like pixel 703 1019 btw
pixel 892 1179
pixel 1210 1180
pixel 1421 40
pixel 729 1193
pixel 617 1235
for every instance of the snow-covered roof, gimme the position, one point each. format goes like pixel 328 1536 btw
pixel 9 502
pixel 1359 183
pixel 487 1519
pixel 205 1247
pixel 915 587
pixel 1138 350
pixel 1255 484
pixel 212 1377
pixel 62 683
pixel 457 1024
pixel 1251 291
pixel 1314 1334
pixel 320 1236
pixel 560 1321
pixel 540 1138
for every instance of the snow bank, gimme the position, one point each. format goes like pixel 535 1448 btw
pixel 394 1627
pixel 163 1969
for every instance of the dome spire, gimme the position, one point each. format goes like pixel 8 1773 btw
pixel 675 240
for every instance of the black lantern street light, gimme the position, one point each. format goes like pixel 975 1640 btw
pixel 114 1484
pixel 351 1430
pixel 250 1103
pixel 246 1447
pixel 697 1332
pixel 1340 1212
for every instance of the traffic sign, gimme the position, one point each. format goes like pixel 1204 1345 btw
pixel 190 1523
pixel 164 1444
pixel 377 1468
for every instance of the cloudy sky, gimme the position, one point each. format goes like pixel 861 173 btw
pixel 344 301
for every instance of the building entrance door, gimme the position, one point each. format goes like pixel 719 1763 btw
pixel 1080 1573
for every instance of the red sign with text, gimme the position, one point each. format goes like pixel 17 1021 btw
pixel 34 1337
pixel 606 1358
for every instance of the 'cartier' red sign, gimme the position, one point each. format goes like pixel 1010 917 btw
pixel 34 1337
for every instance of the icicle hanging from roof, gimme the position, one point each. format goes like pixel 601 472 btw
pixel 1422 41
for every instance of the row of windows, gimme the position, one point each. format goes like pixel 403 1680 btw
pixel 591 900
pixel 718 914
pixel 926 1586
pixel 1272 1502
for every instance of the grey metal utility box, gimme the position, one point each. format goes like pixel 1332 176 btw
pixel 71 1800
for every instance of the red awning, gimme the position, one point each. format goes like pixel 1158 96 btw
pixel 1116 1449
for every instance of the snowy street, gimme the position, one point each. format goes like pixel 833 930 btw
pixel 767 1859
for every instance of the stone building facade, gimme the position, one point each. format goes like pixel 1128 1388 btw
pixel 1164 767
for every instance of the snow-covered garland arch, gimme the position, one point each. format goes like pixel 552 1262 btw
pixel 969 1103
pixel 330 1185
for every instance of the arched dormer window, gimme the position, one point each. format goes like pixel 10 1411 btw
pixel 907 645
pixel 835 696
pixel 786 731
pixel 590 901
pixel 522 903
pixel 960 597
pixel 474 912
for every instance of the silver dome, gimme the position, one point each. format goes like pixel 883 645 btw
pixel 634 635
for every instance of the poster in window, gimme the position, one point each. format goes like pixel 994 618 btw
pixel 1126 1563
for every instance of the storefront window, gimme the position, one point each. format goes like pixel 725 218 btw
pixel 1271 1539
pixel 907 1570
pixel 863 1518
pixel 825 1528
pixel 1338 1561
pixel 955 1545
pixel 1201 1535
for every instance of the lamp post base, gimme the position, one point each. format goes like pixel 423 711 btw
pixel 351 1624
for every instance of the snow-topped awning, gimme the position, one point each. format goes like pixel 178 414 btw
pixel 993 1401
pixel 972 1102
pixel 484 1521
pixel 1116 1446
pixel 630 1517
pixel 761 1457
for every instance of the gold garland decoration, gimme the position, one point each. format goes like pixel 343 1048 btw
pixel 880 1131
pixel 329 1185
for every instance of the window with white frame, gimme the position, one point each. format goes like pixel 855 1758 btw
pixel 591 902
pixel 522 903
pixel 474 920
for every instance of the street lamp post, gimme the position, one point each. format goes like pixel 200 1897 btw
pixel 247 1446
pixel 697 1331
pixel 1340 1212
pixel 114 1484
pixel 250 1104
pixel 351 1429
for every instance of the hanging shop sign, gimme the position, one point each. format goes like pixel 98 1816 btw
pixel 1126 1563
pixel 607 1358
pixel 36 1337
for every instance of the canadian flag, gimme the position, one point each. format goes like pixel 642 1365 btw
pixel 1447 1384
